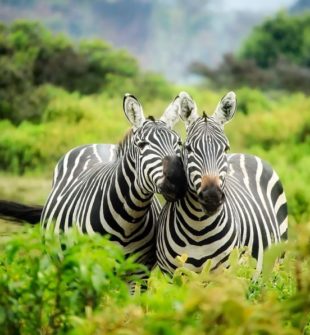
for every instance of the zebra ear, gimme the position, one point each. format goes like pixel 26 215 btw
pixel 187 109
pixel 226 108
pixel 133 110
pixel 171 114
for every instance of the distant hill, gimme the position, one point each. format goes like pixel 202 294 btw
pixel 164 35
pixel 300 6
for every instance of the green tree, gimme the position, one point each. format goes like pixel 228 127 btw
pixel 31 56
pixel 276 55
pixel 282 36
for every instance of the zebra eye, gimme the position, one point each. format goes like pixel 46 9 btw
pixel 180 143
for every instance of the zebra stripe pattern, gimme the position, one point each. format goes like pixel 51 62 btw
pixel 110 189
pixel 233 200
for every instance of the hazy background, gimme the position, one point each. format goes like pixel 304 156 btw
pixel 165 36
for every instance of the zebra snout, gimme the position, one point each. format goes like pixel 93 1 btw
pixel 211 198
pixel 174 184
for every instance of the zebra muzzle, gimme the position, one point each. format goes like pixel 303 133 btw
pixel 211 198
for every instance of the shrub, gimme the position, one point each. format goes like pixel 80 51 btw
pixel 31 58
pixel 82 290
pixel 43 289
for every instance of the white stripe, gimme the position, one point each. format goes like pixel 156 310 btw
pixel 245 175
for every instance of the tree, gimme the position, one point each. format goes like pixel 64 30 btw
pixel 283 36
pixel 276 55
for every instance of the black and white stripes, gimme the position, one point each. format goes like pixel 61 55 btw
pixel 232 199
pixel 109 190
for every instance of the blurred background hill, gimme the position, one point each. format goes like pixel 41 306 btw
pixel 180 31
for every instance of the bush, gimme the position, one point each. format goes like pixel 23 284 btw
pixel 82 290
pixel 252 100
pixel 32 58
pixel 45 290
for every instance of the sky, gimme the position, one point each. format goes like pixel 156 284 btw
pixel 258 5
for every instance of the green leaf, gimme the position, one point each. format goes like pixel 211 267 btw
pixel 270 257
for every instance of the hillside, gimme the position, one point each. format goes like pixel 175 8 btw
pixel 300 5
pixel 146 28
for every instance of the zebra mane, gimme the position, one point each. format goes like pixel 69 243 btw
pixel 205 116
pixel 151 118
pixel 123 143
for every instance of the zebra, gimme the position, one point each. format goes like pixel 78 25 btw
pixel 110 189
pixel 233 200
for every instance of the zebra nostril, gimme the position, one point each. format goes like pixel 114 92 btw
pixel 201 195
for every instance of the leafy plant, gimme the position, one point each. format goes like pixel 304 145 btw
pixel 46 284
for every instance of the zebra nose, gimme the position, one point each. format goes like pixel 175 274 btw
pixel 173 170
pixel 211 198
pixel 174 184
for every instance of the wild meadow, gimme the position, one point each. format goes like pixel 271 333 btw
pixel 82 288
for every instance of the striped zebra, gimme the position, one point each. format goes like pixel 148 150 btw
pixel 110 189
pixel 233 200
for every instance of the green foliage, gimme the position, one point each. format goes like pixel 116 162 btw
pixel 44 288
pixel 279 36
pixel 235 73
pixel 31 57
pixel 276 55
pixel 69 120
pixel 82 289
pixel 251 100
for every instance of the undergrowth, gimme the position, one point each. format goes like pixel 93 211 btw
pixel 79 285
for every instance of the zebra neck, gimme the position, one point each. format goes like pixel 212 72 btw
pixel 195 212
pixel 125 186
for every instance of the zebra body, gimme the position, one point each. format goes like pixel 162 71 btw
pixel 80 159
pixel 110 189
pixel 233 200
pixel 249 217
pixel 82 189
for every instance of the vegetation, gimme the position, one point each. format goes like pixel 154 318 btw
pixel 275 55
pixel 273 126
pixel 147 27
pixel 55 95
pixel 83 290
pixel 280 36
pixel 32 57
pixel 44 289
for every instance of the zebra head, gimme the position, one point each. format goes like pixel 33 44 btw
pixel 205 158
pixel 156 150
